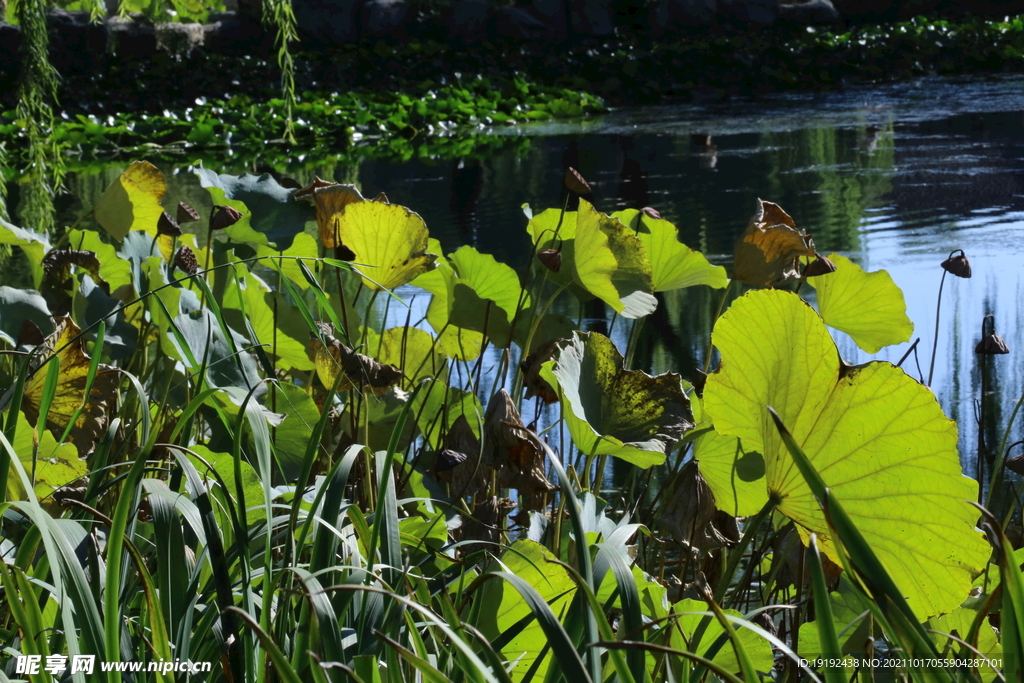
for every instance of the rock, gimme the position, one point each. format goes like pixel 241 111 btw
pixel 554 14
pixel 867 10
pixel 76 43
pixel 235 35
pixel 327 22
pixel 808 12
pixel 666 15
pixel 383 19
pixel 519 24
pixel 133 36
pixel 591 17
pixel 749 12
pixel 466 21
pixel 179 39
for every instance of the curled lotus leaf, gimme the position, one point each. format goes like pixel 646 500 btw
pixel 459 463
pixel 768 251
pixel 867 306
pixel 531 367
pixel 64 348
pixel 612 411
pixel 485 295
pixel 132 202
pixel 690 515
pixel 512 449
pixel 879 439
pixel 358 371
pixel 330 201
pixel 455 342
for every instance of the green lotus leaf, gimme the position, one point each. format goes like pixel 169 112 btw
pixel 600 257
pixel 291 437
pixel 611 411
pixel 758 649
pixel 437 407
pixel 958 624
pixel 867 306
pixel 91 304
pixel 274 322
pixel 224 465
pixel 303 246
pixel 501 605
pixel 612 263
pixel 269 214
pixel 56 464
pixel 455 342
pixel 19 305
pixel 849 605
pixel 35 247
pixel 485 293
pixel 673 264
pixel 878 438
pixel 735 476
pixel 114 270
pixel 132 202
pixel 409 348
pixel 389 241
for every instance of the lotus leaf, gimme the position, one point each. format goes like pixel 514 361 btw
pixel 224 465
pixel 485 293
pixel 735 476
pixel 768 251
pixel 291 437
pixel 513 450
pixel 275 324
pixel 455 342
pixel 867 306
pixel 91 304
pixel 18 306
pixel 67 348
pixel 132 202
pixel 878 438
pixel 410 348
pixel 502 606
pixel 114 270
pixel 360 371
pixel 673 264
pixel 758 649
pixel 388 241
pixel 611 411
pixel 270 215
pixel 35 247
pixel 438 408
pixel 330 201
pixel 56 465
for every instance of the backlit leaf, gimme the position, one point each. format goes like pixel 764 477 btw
pixel 609 410
pixel 673 264
pixel 56 464
pixel 389 242
pixel 867 306
pixel 485 292
pixel 455 342
pixel 35 247
pixel 18 306
pixel 132 202
pixel 360 370
pixel 878 438
pixel 759 650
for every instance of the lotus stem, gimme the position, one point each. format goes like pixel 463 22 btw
pixel 935 342
pixel 718 312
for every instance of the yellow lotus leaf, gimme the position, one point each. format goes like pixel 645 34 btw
pixel 330 201
pixel 389 242
pixel 359 371
pixel 132 202
pixel 767 252
pixel 71 384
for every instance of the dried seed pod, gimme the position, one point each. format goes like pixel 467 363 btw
pixel 819 266
pixel 186 214
pixel 958 265
pixel 185 260
pixel 447 459
pixel 651 213
pixel 992 344
pixel 575 182
pixel 1016 464
pixel 167 225
pixel 552 258
pixel 224 217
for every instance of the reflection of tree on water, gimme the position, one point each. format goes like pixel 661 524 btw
pixel 467 180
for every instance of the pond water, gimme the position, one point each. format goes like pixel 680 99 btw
pixel 894 177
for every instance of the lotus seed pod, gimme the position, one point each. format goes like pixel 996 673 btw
pixel 224 217
pixel 992 344
pixel 185 260
pixel 819 266
pixel 958 265
pixel 167 225
pixel 575 182
pixel 552 258
pixel 186 214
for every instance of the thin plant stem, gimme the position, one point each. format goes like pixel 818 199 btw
pixel 935 342
pixel 718 312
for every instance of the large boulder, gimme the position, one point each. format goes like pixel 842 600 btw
pixel 76 42
pixel 667 15
pixel 231 34
pixel 592 17
pixel 327 22
pixel 466 21
pixel 808 12
pixel 133 36
pixel 384 19
pixel 180 39
pixel 750 13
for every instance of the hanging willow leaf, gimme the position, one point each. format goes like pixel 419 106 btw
pixel 767 252
pixel 71 383
pixel 360 372
pixel 879 439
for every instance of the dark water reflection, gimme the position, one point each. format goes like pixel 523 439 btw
pixel 894 177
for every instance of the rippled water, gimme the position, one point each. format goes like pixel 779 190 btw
pixel 895 177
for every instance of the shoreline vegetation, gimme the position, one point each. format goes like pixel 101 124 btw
pixel 428 99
